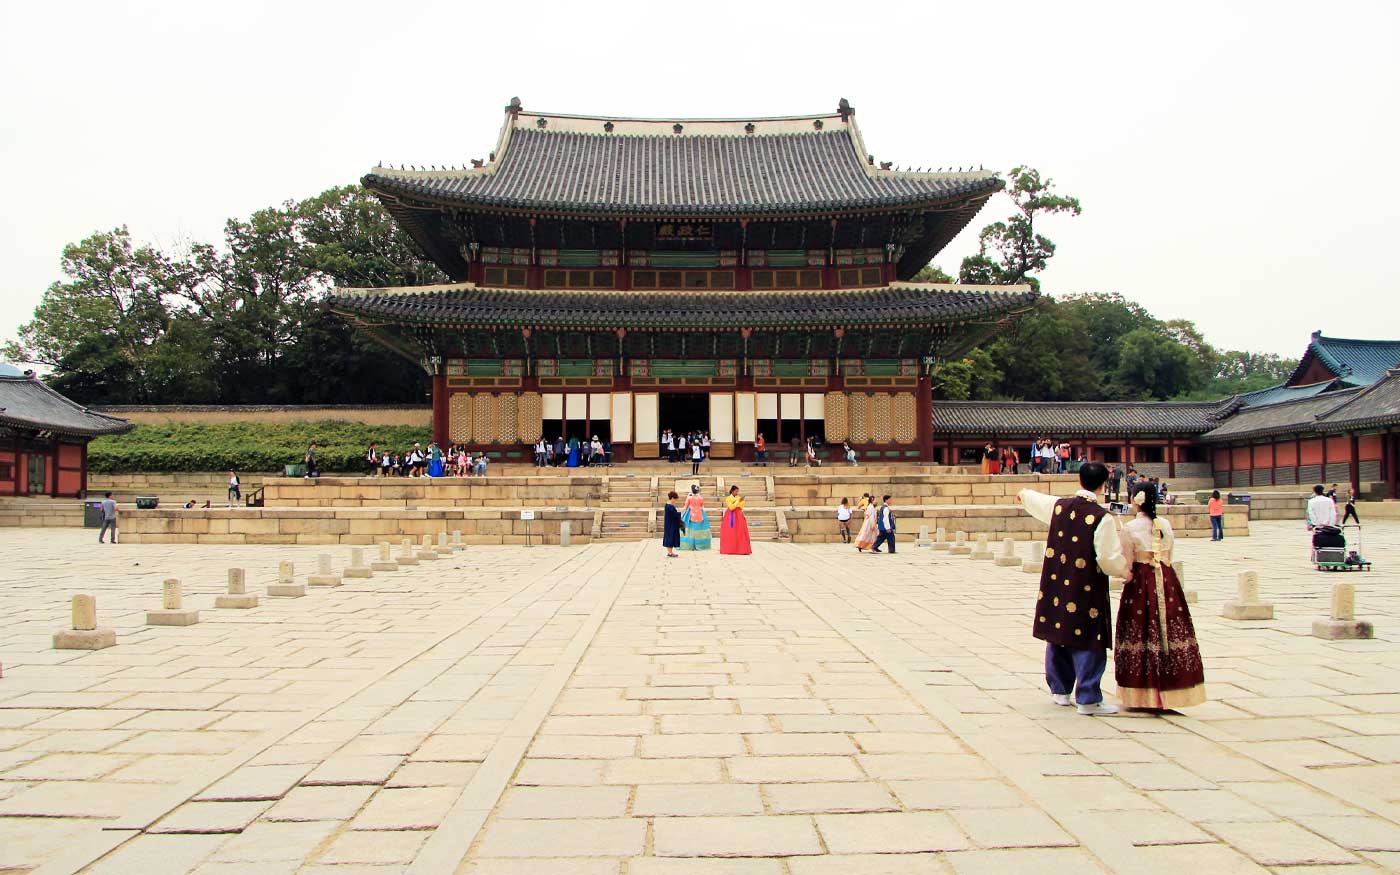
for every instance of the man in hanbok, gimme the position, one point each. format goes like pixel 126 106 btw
pixel 1072 614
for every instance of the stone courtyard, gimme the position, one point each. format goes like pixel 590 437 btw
pixel 598 709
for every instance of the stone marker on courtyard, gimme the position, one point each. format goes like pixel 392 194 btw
pixel 457 540
pixel 960 545
pixel 172 611
pixel 286 587
pixel 238 595
pixel 1036 563
pixel 357 566
pixel 923 539
pixel 565 533
pixel 406 556
pixel 1246 605
pixel 426 551
pixel 385 561
pixel 1341 622
pixel 84 635
pixel 1007 557
pixel 443 548
pixel 325 575
pixel 982 550
pixel 940 539
pixel 1179 566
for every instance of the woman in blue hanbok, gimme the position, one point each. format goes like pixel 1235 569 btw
pixel 697 524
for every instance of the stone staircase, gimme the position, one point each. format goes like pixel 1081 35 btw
pixel 763 523
pixel 41 512
pixel 627 492
pixel 623 525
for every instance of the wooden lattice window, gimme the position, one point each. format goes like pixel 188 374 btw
pixel 851 277
pixel 787 279
pixel 682 279
pixel 508 277
pixel 578 279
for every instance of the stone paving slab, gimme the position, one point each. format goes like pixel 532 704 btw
pixel 602 709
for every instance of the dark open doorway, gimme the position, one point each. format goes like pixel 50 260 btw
pixel 686 412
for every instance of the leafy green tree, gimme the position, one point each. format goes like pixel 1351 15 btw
pixel 974 376
pixel 1013 251
pixel 1153 366
pixel 351 240
pixel 1045 358
pixel 932 273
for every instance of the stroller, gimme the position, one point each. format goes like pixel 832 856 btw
pixel 1329 550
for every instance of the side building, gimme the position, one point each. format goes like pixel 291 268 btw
pixel 44 438
pixel 621 277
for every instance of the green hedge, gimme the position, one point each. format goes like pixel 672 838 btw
pixel 245 446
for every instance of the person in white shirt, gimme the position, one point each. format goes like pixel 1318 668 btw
pixel 1073 615
pixel 843 520
pixel 1322 511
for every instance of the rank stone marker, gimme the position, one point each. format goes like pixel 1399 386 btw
pixel 1342 623
pixel 238 595
pixel 1179 567
pixel 426 552
pixel 443 548
pixel 325 575
pixel 982 550
pixel 457 540
pixel 940 539
pixel 1247 606
pixel 960 545
pixel 406 556
pixel 84 635
pixel 286 587
pixel 385 562
pixel 923 540
pixel 1008 558
pixel 1036 563
pixel 173 611
pixel 357 566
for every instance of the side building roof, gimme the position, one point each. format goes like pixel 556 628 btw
pixel 1376 406
pixel 27 403
pixel 1355 362
pixel 1065 418
pixel 1284 417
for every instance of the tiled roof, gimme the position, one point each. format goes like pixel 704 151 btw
pixel 681 175
pixel 1355 362
pixel 900 304
pixel 1279 393
pixel 1067 418
pixel 26 403
pixel 1375 406
pixel 1285 417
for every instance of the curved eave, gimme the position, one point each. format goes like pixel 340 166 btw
pixel 403 190
pixel 118 426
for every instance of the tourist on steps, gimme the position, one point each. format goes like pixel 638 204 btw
pixel 697 455
pixel 734 529
pixel 696 534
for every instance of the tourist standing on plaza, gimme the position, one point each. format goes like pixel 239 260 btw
pixel 1322 511
pixel 696 522
pixel 697 454
pixel 672 527
pixel 1072 615
pixel 843 520
pixel 988 457
pixel 1158 663
pixel 1216 508
pixel 705 443
pixel 760 451
pixel 1116 478
pixel 794 452
pixel 434 459
pixel 372 459
pixel 884 522
pixel 1351 513
pixel 109 518
pixel 734 529
pixel 865 539
pixel 309 460
pixel 234 495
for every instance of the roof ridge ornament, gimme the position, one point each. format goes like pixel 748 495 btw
pixel 514 107
pixel 845 109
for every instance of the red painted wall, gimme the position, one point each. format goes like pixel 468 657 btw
pixel 1264 456
pixel 1287 454
pixel 1369 448
pixel 1338 450
pixel 1312 453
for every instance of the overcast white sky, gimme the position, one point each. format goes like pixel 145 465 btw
pixel 1236 161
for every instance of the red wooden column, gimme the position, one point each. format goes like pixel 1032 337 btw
pixel 1251 464
pixel 1171 458
pixel 1392 462
pixel 440 409
pixel 923 410
pixel 1298 461
pixel 1273 465
pixel 1355 464
pixel 82 460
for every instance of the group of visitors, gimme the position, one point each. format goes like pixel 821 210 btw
pixel 432 461
pixel 1322 508
pixel 1045 456
pixel 877 523
pixel 572 453
pixel 690 446
pixel 687 526
pixel 1158 662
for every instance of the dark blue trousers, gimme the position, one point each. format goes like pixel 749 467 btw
pixel 884 537
pixel 1078 670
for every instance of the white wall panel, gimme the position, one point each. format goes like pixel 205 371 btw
pixel 574 407
pixel 721 417
pixel 745 416
pixel 553 406
pixel 767 406
pixel 648 418
pixel 813 406
pixel 791 405
pixel 599 407
pixel 622 416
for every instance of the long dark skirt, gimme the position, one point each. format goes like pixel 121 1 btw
pixel 1153 669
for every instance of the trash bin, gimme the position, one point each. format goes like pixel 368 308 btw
pixel 1074 466
pixel 294 471
pixel 92 514
pixel 147 502
pixel 1238 498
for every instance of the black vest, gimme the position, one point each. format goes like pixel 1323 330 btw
pixel 1073 606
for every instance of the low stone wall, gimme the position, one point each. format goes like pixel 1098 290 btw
pixel 411 492
pixel 347 526
pixel 195 414
pixel 908 489
pixel 40 512
pixel 818 525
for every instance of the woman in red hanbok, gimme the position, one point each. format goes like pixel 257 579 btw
pixel 734 529
pixel 1156 660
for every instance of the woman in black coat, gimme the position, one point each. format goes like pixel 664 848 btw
pixel 672 528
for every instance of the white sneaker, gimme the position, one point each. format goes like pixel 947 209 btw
pixel 1061 699
pixel 1098 709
